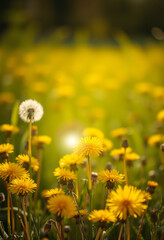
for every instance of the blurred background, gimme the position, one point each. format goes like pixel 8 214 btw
pixel 95 19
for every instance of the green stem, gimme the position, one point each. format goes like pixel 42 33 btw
pixel 29 153
pixel 120 234
pixel 8 212
pixel 89 172
pixel 38 179
pixel 140 227
pixel 124 166
pixel 98 233
pixel 128 229
pixel 25 219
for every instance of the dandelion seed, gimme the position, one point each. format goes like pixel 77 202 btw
pixel 30 109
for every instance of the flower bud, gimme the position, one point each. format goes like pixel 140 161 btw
pixel 67 229
pixel 125 143
pixel 47 226
pixel 2 197
pixel 109 166
pixel 153 215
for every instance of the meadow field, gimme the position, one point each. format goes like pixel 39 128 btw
pixel 83 157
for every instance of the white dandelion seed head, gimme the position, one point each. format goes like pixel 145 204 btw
pixel 30 105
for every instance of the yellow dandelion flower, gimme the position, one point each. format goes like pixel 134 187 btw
pixel 48 193
pixel 89 146
pixel 107 144
pixel 102 216
pixel 147 195
pixel 160 116
pixel 119 152
pixel 71 159
pixel 21 186
pixel 152 184
pixel 155 139
pixel 41 140
pixel 6 148
pixel 9 128
pixel 132 156
pixel 82 213
pixel 119 132
pixel 93 132
pixel 23 159
pixel 158 93
pixel 62 205
pixel 64 174
pixel 144 88
pixel 112 176
pixel 12 170
pixel 127 201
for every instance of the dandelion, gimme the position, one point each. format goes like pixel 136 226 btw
pixel 160 116
pixel 155 140
pixel 71 160
pixel 102 217
pixel 119 152
pixel 41 140
pixel 9 129
pixel 51 192
pixel 6 148
pixel 64 175
pixel 22 186
pixel 110 177
pixel 130 157
pixel 126 202
pixel 93 132
pixel 23 159
pixel 62 205
pixel 30 109
pixel 119 132
pixel 9 171
pixel 89 146
pixel 151 186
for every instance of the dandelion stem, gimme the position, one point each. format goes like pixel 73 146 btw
pixel 25 219
pixel 128 229
pixel 77 190
pixel 62 230
pixel 89 172
pixel 140 227
pixel 29 153
pixel 120 234
pixel 81 220
pixel 98 233
pixel 8 212
pixel 124 166
pixel 81 232
pixel 12 215
pixel 22 224
pixel 38 179
pixel 155 232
